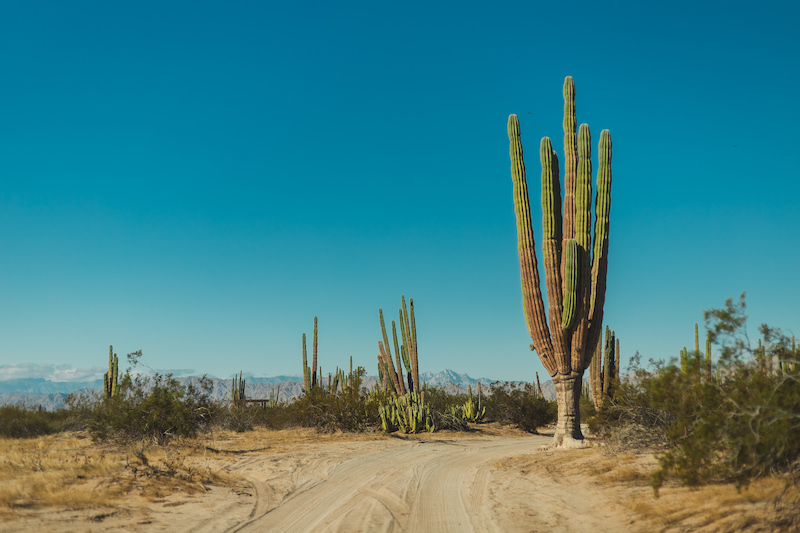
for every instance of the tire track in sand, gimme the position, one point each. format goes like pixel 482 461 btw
pixel 394 485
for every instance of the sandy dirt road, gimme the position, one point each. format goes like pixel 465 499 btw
pixel 411 485
pixel 431 483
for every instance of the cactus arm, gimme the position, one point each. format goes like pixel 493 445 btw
pixel 571 279
pixel 387 361
pixel 115 376
pixel 570 158
pixel 583 235
pixel 602 209
pixel 551 248
pixel 414 354
pixel 533 303
pixel 400 373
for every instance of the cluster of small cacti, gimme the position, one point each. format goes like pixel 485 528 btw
pixel 237 390
pixel 575 261
pixel 111 378
pixel 473 411
pixel 701 365
pixel 342 382
pixel 391 376
pixel 604 369
pixel 406 412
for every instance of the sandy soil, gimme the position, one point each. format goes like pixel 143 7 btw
pixel 431 483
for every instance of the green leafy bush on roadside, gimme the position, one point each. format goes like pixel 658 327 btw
pixel 508 404
pixel 153 407
pixel 742 423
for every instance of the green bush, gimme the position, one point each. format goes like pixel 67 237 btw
pixel 155 408
pixel 740 424
pixel 507 404
pixel 26 422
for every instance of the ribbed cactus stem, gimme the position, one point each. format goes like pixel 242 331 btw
pixel 708 357
pixel 570 157
pixel 398 357
pixel 571 287
pixel 602 211
pixel 533 303
pixel 306 370
pixel 607 362
pixel 314 356
pixel 414 354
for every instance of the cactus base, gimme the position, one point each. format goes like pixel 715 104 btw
pixel 568 429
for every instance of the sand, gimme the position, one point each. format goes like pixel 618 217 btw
pixel 431 483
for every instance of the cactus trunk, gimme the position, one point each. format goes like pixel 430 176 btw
pixel 568 395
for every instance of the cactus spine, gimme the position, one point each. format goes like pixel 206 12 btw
pixel 565 347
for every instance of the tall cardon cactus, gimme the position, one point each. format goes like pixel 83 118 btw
pixel 575 259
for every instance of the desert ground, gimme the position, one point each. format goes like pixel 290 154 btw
pixel 489 479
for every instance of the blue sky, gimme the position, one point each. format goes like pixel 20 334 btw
pixel 199 180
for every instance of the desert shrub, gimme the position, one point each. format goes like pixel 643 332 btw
pixel 519 406
pixel 18 421
pixel 155 408
pixel 21 422
pixel 740 424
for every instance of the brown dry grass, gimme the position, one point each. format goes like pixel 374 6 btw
pixel 769 504
pixel 69 471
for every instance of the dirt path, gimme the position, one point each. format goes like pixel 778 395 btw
pixel 410 485
pixel 434 483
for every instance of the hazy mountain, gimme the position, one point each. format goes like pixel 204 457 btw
pixel 51 395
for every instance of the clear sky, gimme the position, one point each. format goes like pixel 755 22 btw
pixel 198 180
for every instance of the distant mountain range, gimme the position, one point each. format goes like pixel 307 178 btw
pixel 51 395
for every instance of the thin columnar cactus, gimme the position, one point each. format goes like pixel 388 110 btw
pixel 306 369
pixel 567 345
pixel 708 357
pixel 386 355
pixel 684 360
pixel 237 390
pixel 314 356
pixel 697 355
pixel 111 378
pixel 407 351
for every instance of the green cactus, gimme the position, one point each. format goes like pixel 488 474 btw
pixel 306 369
pixel 408 413
pixel 565 351
pixel 708 357
pixel 571 286
pixel 111 378
pixel 314 356
pixel 609 363
pixel 407 351
pixel 237 390
pixel 386 354
pixel 473 411
pixel 697 355
pixel 684 360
